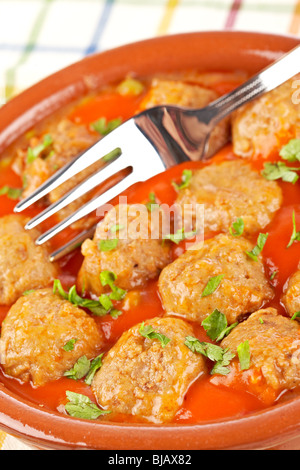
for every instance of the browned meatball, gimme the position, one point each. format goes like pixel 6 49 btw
pixel 23 265
pixel 243 288
pixel 274 347
pixel 179 93
pixel 291 297
pixel 142 378
pixel 134 260
pixel 232 190
pixel 34 334
pixel 258 126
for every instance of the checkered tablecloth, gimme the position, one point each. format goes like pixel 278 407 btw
pixel 39 37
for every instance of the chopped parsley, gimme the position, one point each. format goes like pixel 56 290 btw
pixel 261 241
pixel 185 180
pixel 179 236
pixel 291 151
pixel 279 170
pixel 296 315
pixel 216 325
pixel 237 228
pixel 108 245
pixel 84 368
pixel 104 127
pixel 35 152
pixel 79 370
pixel 244 355
pixel 295 235
pixel 107 278
pixel 11 193
pixel 80 406
pixel 147 331
pixel 93 305
pixel 220 356
pixel 212 284
pixel 69 346
pixel 152 204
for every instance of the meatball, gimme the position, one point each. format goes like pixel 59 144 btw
pixel 140 377
pixel 258 126
pixel 23 265
pixel 232 190
pixel 274 347
pixel 68 140
pixel 291 297
pixel 34 334
pixel 179 93
pixel 136 257
pixel 242 290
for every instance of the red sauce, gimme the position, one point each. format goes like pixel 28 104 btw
pixel 210 397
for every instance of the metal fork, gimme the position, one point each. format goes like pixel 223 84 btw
pixel 145 146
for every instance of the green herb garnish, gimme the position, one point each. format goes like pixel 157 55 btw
pixel 216 325
pixel 212 284
pixel 279 170
pixel 79 370
pixel 147 331
pixel 80 406
pixel 291 151
pixel 107 278
pixel 185 180
pixel 152 204
pixel 69 346
pixel 11 193
pixel 96 364
pixel 104 127
pixel 93 305
pixel 108 245
pixel 35 152
pixel 237 228
pixel 261 241
pixel 295 235
pixel 179 236
pixel 296 315
pixel 220 356
pixel 243 351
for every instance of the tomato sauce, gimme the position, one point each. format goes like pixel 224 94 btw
pixel 209 397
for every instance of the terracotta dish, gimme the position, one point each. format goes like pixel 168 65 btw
pixel 272 426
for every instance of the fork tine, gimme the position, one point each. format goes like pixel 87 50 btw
pixel 80 190
pixel 73 244
pixel 105 150
pixel 90 207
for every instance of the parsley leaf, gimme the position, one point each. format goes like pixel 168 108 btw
pixel 104 127
pixel 152 204
pixel 291 151
pixel 96 364
pixel 220 356
pixel 79 370
pixel 237 228
pixel 216 325
pixel 108 245
pixel 147 331
pixel 185 180
pixel 295 235
pixel 11 193
pixel 212 284
pixel 179 236
pixel 35 152
pixel 80 406
pixel 107 278
pixel 93 305
pixel 243 351
pixel 261 240
pixel 296 315
pixel 69 346
pixel 279 170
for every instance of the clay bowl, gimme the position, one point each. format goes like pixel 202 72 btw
pixel 276 427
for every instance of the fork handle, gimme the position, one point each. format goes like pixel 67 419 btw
pixel 271 77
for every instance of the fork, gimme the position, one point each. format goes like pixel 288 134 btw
pixel 146 145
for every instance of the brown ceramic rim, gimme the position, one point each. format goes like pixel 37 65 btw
pixel 220 51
